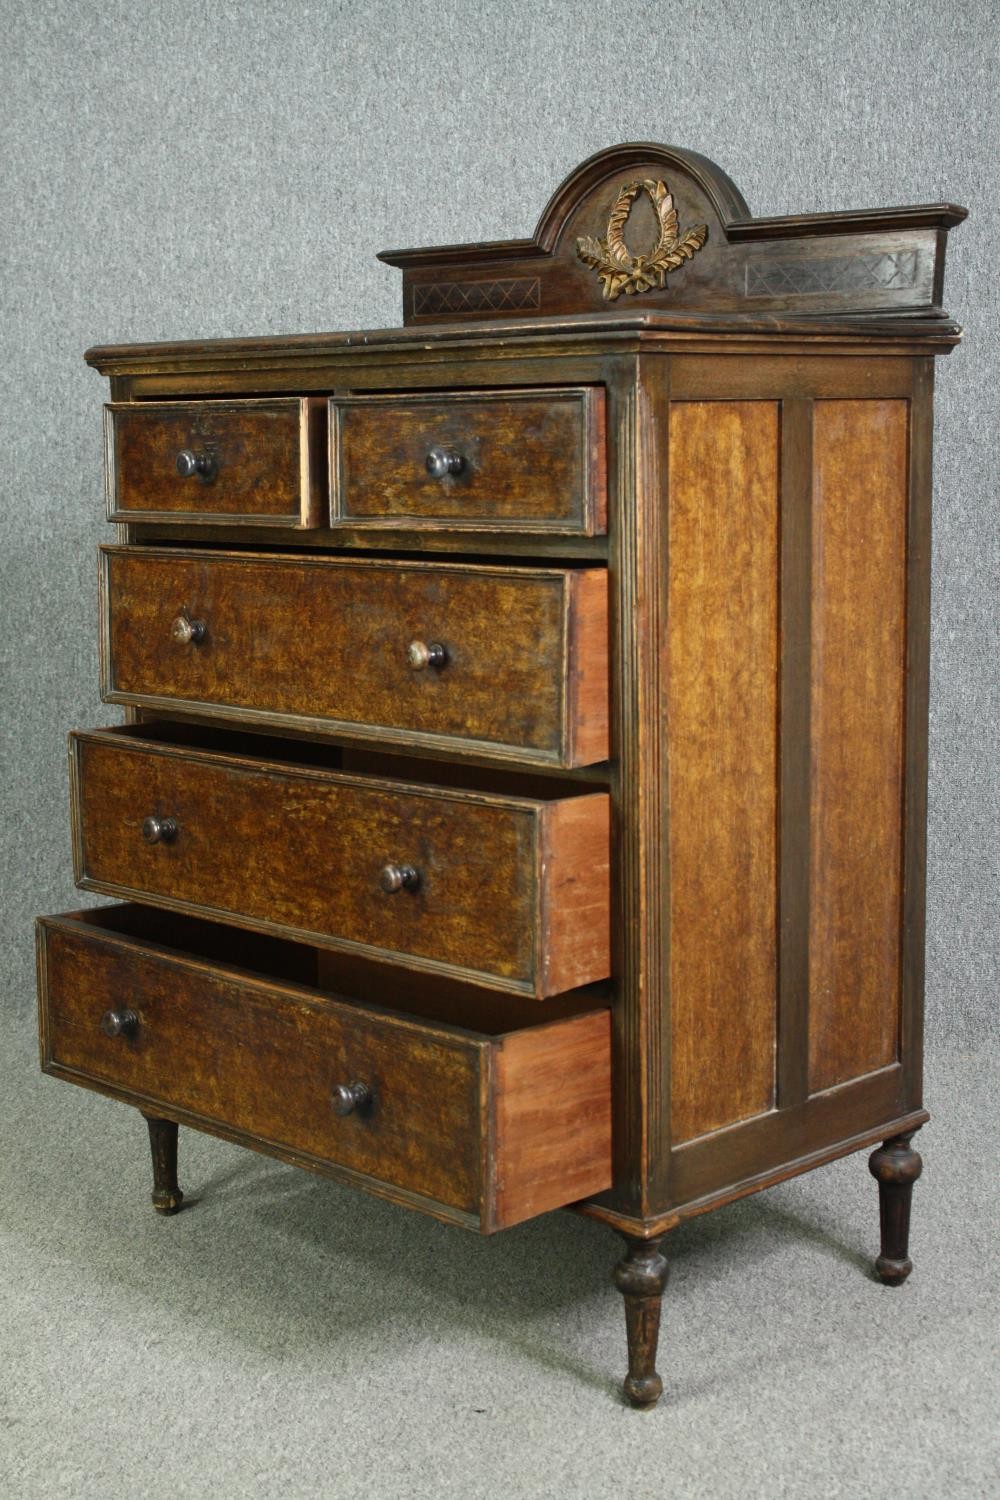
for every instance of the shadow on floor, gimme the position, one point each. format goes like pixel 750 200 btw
pixel 354 1260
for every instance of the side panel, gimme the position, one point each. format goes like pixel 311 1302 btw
pixel 552 1117
pixel 722 718
pixel 858 634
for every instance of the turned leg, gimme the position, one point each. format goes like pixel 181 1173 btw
pixel 167 1196
pixel 896 1166
pixel 640 1278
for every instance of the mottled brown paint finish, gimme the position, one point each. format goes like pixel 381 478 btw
pixel 858 613
pixel 266 457
pixel 722 654
pixel 326 641
pixel 267 1061
pixel 531 460
pixel 453 1117
pixel 301 851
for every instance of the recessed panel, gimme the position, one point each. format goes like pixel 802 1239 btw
pixel 858 632
pixel 722 658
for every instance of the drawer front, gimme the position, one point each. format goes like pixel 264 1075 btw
pixel 529 460
pixel 348 646
pixel 217 462
pixel 509 892
pixel 444 1122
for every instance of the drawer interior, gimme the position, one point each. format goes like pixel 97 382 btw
pixel 350 978
pixel 328 756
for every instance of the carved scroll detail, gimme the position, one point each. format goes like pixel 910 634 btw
pixel 621 272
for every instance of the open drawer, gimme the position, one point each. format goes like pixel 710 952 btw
pixel 232 1032
pixel 221 463
pixel 506 891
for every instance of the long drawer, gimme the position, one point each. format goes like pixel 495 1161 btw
pixel 522 460
pixel 509 661
pixel 229 1034
pixel 512 892
pixel 260 463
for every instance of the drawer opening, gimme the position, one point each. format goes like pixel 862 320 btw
pixel 403 544
pixel 296 545
pixel 536 785
pixel 346 978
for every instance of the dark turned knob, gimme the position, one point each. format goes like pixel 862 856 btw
pixel 119 1023
pixel 399 878
pixel 188 632
pixel 422 655
pixel 190 463
pixel 159 830
pixel 347 1097
pixel 442 461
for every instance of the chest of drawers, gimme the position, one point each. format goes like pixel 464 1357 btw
pixel 520 798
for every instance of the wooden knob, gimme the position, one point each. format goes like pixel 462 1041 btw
pixel 399 878
pixel 188 632
pixel 442 462
pixel 190 464
pixel 348 1097
pixel 119 1022
pixel 421 655
pixel 159 830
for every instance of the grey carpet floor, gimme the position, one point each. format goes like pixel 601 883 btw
pixel 285 1337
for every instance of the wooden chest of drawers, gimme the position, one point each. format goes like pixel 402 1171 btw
pixel 520 802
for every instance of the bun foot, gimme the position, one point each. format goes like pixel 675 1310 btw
pixel 896 1167
pixel 640 1278
pixel 166 1202
pixel 892 1272
pixel 167 1196
pixel 643 1390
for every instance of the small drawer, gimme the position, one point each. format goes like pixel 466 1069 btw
pixel 259 463
pixel 512 662
pixel 510 892
pixel 527 460
pixel 231 1034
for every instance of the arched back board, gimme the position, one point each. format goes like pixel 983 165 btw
pixel 655 228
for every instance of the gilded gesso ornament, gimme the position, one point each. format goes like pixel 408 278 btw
pixel 622 272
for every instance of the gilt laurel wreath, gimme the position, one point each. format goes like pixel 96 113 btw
pixel 621 272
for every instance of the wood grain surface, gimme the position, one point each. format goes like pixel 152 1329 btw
pixel 645 357
pixel 553 1116
pixel 300 851
pixel 325 641
pixel 530 458
pixel 858 613
pixel 267 458
pixel 722 655
pixel 498 1130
